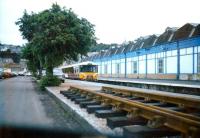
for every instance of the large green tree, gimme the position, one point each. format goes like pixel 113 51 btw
pixel 33 63
pixel 57 34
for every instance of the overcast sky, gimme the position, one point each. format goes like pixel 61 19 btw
pixel 115 21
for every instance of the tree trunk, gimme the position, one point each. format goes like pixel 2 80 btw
pixel 40 70
pixel 49 67
pixel 49 71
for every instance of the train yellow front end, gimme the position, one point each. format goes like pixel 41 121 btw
pixel 88 76
pixel 83 71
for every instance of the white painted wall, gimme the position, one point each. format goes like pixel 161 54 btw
pixel 142 67
pixel 171 65
pixel 122 68
pixel 122 60
pixel 195 63
pixel 109 66
pixel 151 66
pixel 102 68
pixel 128 67
pixel 128 59
pixel 113 67
pixel 99 67
pixel 186 64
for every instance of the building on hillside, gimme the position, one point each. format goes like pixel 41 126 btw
pixel 13 48
pixel 175 54
pixel 6 62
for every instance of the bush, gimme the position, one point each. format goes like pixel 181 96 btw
pixel 49 81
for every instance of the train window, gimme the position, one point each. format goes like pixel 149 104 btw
pixel 68 70
pixel 88 68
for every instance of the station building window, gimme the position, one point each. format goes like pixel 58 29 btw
pixel 134 67
pixel 160 65
pixel 105 69
pixel 198 63
pixel 118 68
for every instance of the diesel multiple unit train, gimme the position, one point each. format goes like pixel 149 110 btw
pixel 82 71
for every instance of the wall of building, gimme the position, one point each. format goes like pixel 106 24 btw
pixel 176 60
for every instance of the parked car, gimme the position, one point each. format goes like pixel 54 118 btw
pixel 6 75
pixel 21 73
pixel 58 72
pixel 15 73
pixel 27 74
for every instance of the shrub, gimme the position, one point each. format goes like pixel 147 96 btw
pixel 49 81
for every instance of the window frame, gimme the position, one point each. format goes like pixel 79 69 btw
pixel 160 66
pixel 134 67
pixel 198 63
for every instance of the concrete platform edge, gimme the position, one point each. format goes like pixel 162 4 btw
pixel 80 119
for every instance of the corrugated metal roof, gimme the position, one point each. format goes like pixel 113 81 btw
pixel 149 41
pixel 170 34
pixel 120 50
pixel 183 32
pixel 197 31
pixel 165 37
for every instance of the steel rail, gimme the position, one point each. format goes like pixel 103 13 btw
pixel 157 117
pixel 159 97
pixel 183 101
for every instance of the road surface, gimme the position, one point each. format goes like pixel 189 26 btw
pixel 22 103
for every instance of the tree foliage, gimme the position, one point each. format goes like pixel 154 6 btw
pixel 33 63
pixel 55 35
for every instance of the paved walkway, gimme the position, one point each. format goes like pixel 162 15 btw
pixel 20 104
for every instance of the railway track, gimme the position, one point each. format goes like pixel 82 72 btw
pixel 154 114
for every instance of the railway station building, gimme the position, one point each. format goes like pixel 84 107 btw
pixel 175 54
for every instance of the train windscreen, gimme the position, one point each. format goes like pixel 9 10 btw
pixel 88 68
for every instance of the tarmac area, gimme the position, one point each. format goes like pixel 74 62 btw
pixel 22 103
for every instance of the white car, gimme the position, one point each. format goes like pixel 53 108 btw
pixel 58 72
pixel 28 74
pixel 21 73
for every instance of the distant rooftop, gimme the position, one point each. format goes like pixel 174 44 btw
pixel 13 48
